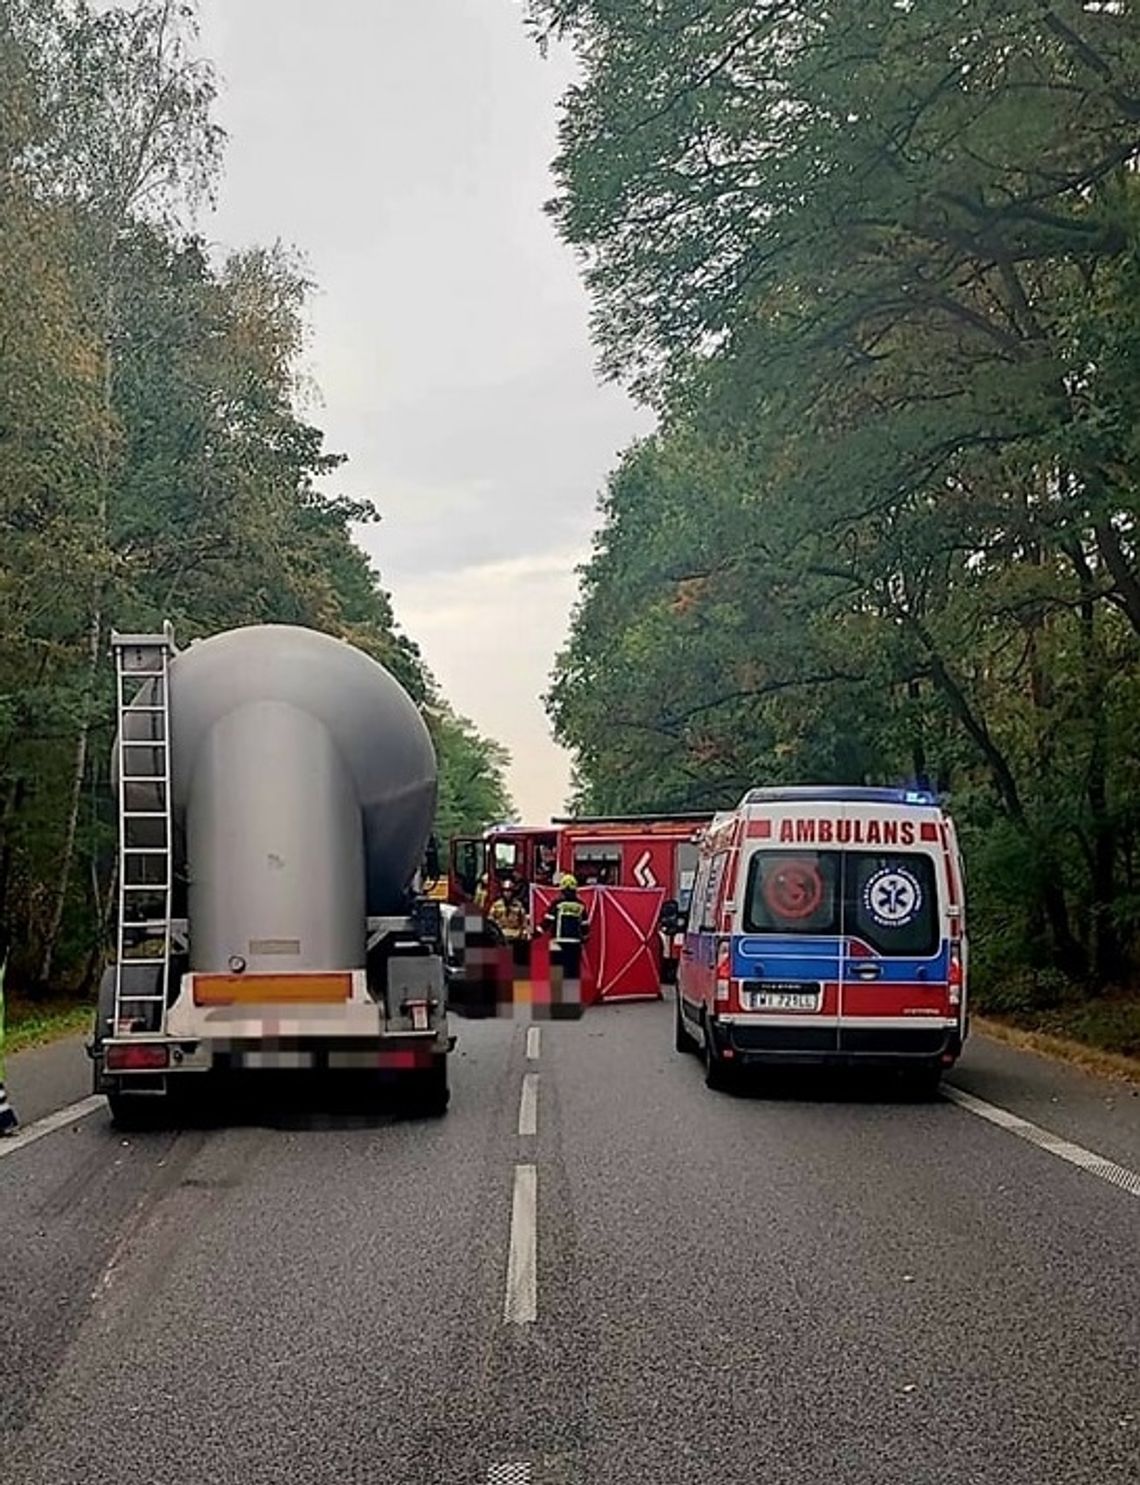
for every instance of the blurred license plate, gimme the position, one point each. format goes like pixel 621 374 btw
pixel 274 1059
pixel 793 998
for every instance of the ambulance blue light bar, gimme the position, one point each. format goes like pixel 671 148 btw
pixel 838 794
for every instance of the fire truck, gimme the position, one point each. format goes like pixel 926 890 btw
pixel 635 875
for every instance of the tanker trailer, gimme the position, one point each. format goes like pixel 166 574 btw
pixel 275 792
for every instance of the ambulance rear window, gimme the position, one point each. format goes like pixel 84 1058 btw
pixel 892 902
pixel 793 892
pixel 889 901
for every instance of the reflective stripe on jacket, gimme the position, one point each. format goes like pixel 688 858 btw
pixel 510 917
pixel 567 920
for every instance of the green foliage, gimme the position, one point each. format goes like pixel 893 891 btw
pixel 153 461
pixel 876 267
pixel 472 777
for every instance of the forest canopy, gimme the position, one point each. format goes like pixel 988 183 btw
pixel 155 460
pixel 877 268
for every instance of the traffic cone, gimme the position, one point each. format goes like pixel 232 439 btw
pixel 8 1120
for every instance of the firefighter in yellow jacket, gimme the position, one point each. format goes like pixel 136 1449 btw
pixel 509 915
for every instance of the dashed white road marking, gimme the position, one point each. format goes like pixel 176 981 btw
pixel 50 1123
pixel 1044 1139
pixel 528 1104
pixel 521 1305
pixel 532 1045
pixel 516 1473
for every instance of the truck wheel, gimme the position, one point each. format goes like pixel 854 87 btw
pixel 683 1041
pixel 104 1011
pixel 719 1076
pixel 135 1112
pixel 429 1094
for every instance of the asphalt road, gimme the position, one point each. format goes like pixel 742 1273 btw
pixel 807 1284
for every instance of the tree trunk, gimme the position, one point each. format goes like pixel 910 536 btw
pixel 918 738
pixel 1067 952
pixel 95 632
pixel 1123 574
pixel 1107 958
pixel 74 803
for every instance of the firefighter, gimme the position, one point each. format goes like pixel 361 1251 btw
pixel 510 917
pixel 482 892
pixel 569 928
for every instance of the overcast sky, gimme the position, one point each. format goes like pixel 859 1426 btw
pixel 404 146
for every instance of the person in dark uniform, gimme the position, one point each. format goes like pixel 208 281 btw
pixel 568 927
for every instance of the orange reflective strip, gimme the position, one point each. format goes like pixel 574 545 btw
pixel 315 989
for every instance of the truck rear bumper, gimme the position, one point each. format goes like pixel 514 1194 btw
pixel 169 1059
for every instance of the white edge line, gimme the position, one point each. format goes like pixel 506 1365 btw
pixel 521 1305
pixel 50 1123
pixel 528 1105
pixel 1088 1160
pixel 532 1042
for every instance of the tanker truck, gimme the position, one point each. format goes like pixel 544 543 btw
pixel 275 791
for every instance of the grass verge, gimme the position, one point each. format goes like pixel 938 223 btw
pixel 1074 1041
pixel 29 1024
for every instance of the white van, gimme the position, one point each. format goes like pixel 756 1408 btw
pixel 826 927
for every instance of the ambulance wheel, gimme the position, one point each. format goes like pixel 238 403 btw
pixel 719 1076
pixel 683 1040
pixel 924 1083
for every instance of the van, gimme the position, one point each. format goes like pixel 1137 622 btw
pixel 826 927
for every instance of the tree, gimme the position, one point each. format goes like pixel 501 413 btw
pixel 472 776
pixel 154 460
pixel 873 264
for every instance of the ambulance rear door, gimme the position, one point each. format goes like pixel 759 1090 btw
pixel 788 939
pixel 893 995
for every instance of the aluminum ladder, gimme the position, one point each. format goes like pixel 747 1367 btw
pixel 146 862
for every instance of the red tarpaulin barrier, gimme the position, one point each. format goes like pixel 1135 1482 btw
pixel 622 957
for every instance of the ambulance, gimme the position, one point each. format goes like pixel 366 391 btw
pixel 826 927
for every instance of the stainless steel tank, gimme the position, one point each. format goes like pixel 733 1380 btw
pixel 303 790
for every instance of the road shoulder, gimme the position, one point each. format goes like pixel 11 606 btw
pixel 43 1079
pixel 1099 1113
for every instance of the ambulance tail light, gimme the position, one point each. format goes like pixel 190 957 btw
pixel 954 977
pixel 726 989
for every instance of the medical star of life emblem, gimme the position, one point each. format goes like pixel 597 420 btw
pixel 893 897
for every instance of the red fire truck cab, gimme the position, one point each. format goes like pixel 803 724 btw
pixel 479 865
pixel 635 875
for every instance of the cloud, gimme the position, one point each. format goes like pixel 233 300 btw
pixel 405 148
pixel 490 633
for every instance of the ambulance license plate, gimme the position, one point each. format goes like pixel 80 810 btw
pixel 786 998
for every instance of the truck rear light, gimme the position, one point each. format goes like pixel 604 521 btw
pixel 405 1059
pixel 143 1058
